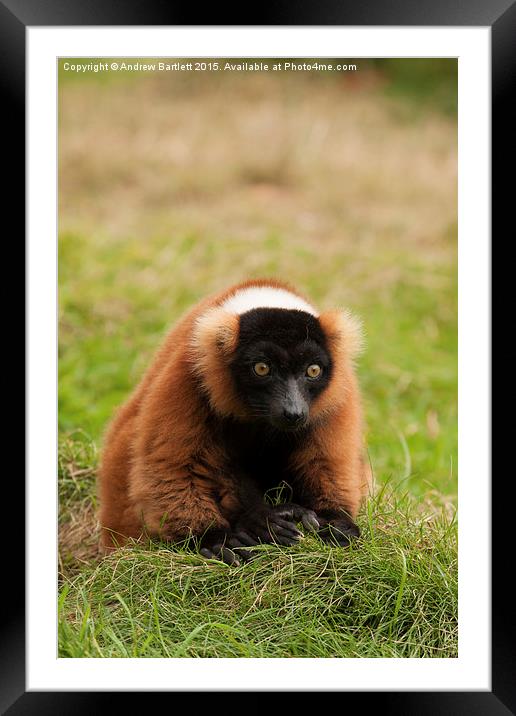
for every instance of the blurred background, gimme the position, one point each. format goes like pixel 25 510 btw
pixel 175 185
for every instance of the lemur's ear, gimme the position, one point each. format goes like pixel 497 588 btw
pixel 344 332
pixel 214 338
pixel 215 333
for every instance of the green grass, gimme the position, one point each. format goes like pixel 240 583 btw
pixel 393 594
pixel 159 207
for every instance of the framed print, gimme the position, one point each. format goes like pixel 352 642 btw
pixel 322 167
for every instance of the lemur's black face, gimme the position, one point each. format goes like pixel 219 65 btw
pixel 280 365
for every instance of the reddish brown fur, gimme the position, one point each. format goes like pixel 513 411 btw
pixel 162 472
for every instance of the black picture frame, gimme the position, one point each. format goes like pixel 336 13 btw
pixel 500 16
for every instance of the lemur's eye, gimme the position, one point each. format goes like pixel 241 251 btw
pixel 313 371
pixel 261 369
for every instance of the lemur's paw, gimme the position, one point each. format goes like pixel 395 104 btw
pixel 267 525
pixel 339 531
pixel 229 547
pixel 296 513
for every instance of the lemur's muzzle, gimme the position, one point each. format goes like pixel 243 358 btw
pixel 294 408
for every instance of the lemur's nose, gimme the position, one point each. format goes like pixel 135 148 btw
pixel 293 417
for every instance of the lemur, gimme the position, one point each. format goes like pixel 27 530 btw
pixel 253 388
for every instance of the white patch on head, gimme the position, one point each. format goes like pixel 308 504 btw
pixel 265 297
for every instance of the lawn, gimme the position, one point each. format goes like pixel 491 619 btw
pixel 174 186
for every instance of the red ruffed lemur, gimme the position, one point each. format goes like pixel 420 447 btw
pixel 251 389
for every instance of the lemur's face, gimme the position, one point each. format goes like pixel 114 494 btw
pixel 280 365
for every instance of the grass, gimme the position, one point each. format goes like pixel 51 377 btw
pixel 347 188
pixel 392 595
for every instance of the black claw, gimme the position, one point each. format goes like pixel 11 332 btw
pixel 246 539
pixel 295 513
pixel 276 531
pixel 207 553
pixel 225 547
pixel 241 550
pixel 310 522
pixel 339 532
pixel 289 526
pixel 245 554
pixel 333 537
pixel 227 555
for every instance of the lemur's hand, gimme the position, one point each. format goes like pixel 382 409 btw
pixel 231 547
pixel 270 524
pixel 337 528
pixel 296 513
